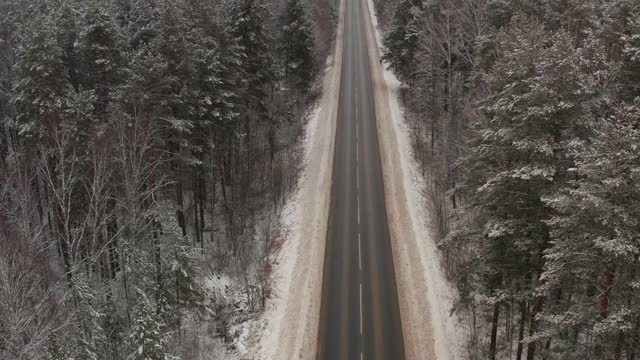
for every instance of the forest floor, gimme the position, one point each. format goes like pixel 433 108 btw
pixel 426 298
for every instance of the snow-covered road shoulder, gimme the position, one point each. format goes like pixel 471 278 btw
pixel 288 328
pixel 425 296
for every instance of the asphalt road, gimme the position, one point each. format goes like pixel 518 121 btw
pixel 359 316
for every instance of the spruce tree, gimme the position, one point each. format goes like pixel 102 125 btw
pixel 401 40
pixel 41 91
pixel 148 339
pixel 101 48
pixel 247 27
pixel 594 252
pixel 90 337
pixel 67 34
pixel 519 157
pixel 297 43
pixel 631 58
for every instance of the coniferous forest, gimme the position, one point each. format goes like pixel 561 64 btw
pixel 148 149
pixel 525 118
pixel 145 145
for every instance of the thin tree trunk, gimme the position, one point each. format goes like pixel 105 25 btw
pixel 180 202
pixel 604 300
pixel 196 201
pixel 537 307
pixel 523 320
pixel 126 289
pixel 633 347
pixel 203 198
pixel 213 201
pixel 494 331
pixel 158 259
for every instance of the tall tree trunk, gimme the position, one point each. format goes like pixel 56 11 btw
pixel 35 183
pixel 213 200
pixel 180 201
pixel 196 202
pixel 174 147
pixel 494 331
pixel 537 307
pixel 112 230
pixel 4 143
pixel 619 345
pixel 630 299
pixel 203 200
pixel 125 286
pixel 64 246
pixel 604 300
pixel 557 298
pixel 158 259
pixel 635 344
pixel 523 320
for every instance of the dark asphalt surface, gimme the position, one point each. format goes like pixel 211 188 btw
pixel 360 317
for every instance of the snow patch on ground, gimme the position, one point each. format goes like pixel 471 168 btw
pixel 288 327
pixel 426 297
pixel 227 294
pixel 218 284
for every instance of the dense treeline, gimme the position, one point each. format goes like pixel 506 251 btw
pixel 526 121
pixel 142 142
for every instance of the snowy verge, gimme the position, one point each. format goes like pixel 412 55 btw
pixel 288 328
pixel 425 296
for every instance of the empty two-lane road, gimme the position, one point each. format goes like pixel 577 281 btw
pixel 359 316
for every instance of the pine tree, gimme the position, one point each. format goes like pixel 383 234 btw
pixel 148 339
pixel 573 16
pixel 181 290
pixel 67 34
pixel 139 18
pixel 520 156
pixel 297 43
pixel 631 58
pixel 247 27
pixel 594 257
pixel 41 91
pixel 100 46
pixel 401 40
pixel 90 338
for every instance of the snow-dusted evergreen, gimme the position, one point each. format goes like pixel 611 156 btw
pixel 525 120
pixel 297 42
pixel 144 145
pixel 401 40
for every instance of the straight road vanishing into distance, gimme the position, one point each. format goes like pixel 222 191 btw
pixel 359 316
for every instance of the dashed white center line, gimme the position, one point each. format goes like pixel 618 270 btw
pixel 356 96
pixel 358 197
pixel 361 309
pixel 359 253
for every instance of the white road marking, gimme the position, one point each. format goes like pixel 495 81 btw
pixel 358 210
pixel 361 309
pixel 356 96
pixel 358 197
pixel 359 253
